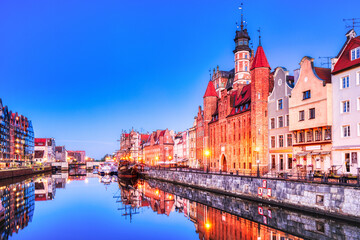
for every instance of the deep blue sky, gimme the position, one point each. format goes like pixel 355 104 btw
pixel 84 70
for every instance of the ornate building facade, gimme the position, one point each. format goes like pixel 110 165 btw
pixel 235 112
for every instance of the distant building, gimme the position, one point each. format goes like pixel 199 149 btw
pixel 159 148
pixel 192 147
pixel 346 106
pixel 181 148
pixel 199 129
pixel 310 110
pixel 45 150
pixel 131 145
pixel 16 138
pixel 60 154
pixel 76 156
pixel 280 138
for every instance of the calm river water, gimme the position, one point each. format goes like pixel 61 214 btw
pixel 60 206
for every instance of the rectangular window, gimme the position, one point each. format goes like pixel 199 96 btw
pixel 309 136
pixel 281 162
pixel 306 94
pixel 312 113
pixel 289 140
pixel 272 141
pixel 345 82
pixel 346 131
pixel 280 122
pixel 318 135
pixel 301 137
pixel 345 106
pixel 280 104
pixel 272 123
pixel 355 53
pixel 273 162
pixel 281 141
pixel 358 78
pixel 290 160
pixel 287 120
pixel 354 158
pixel 301 116
pixel 327 134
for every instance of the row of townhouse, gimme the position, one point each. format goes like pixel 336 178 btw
pixel 46 151
pixel 16 138
pixel 314 116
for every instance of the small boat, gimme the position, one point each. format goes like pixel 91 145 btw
pixel 107 169
pixel 128 170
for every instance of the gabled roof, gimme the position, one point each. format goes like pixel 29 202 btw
pixel 260 59
pixel 210 90
pixel 242 98
pixel 323 73
pixel 345 61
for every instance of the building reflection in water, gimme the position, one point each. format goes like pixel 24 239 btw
pixel 210 223
pixel 17 207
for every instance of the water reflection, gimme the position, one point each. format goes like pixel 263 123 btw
pixel 210 216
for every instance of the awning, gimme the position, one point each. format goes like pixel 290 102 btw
pixel 315 153
pixel 325 153
pixel 302 154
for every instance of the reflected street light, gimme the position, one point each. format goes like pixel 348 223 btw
pixel 257 149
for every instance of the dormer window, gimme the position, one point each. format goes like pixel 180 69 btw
pixel 355 53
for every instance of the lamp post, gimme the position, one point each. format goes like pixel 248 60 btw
pixel 207 154
pixel 257 149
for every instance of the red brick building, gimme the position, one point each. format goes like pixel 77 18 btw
pixel 159 148
pixel 235 111
pixel 199 129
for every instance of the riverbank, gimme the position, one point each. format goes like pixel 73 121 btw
pixel 19 172
pixel 330 200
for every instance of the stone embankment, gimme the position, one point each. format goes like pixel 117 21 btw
pixel 332 200
pixel 18 172
pixel 307 226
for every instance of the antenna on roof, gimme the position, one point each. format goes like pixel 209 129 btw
pixel 352 23
pixel 325 61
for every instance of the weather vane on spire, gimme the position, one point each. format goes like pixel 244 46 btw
pixel 242 16
pixel 259 30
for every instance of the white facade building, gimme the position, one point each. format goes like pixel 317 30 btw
pixel 346 106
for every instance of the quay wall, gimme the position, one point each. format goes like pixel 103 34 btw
pixel 12 173
pixel 308 226
pixel 328 199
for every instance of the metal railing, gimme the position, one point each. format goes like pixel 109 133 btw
pixel 325 178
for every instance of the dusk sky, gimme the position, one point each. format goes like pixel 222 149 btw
pixel 84 70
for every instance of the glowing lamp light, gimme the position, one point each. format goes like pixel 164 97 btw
pixel 207 226
pixel 169 157
pixel 257 149
pixel 156 158
pixel 157 192
pixel 207 153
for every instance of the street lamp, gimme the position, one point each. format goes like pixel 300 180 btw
pixel 257 149
pixel 207 154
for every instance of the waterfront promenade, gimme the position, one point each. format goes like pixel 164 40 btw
pixel 334 199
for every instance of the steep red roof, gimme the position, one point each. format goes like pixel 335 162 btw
pixel 323 73
pixel 260 59
pixel 210 90
pixel 344 61
pixel 243 98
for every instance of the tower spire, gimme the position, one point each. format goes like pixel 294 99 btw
pixel 259 30
pixel 242 16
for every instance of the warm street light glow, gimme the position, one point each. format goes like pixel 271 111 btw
pixel 207 226
pixel 156 158
pixel 207 153
pixel 257 149
pixel 170 157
